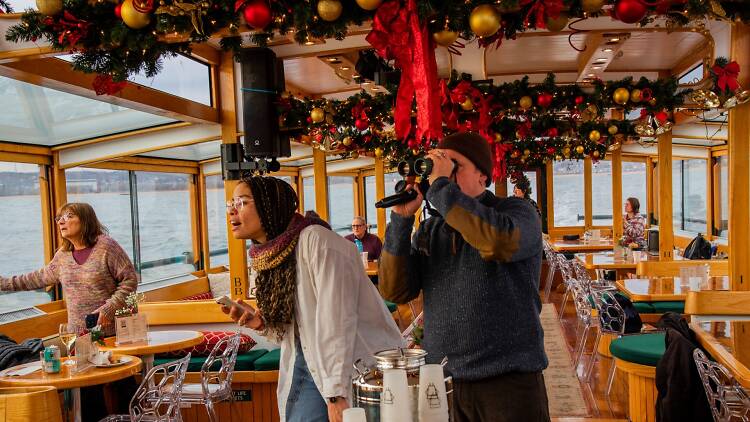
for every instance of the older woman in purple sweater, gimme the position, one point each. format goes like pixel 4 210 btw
pixel 95 272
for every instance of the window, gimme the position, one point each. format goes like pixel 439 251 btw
pixel 22 250
pixel 691 76
pixel 181 76
pixel 634 184
pixel 567 185
pixel 166 247
pixel 531 175
pixel 370 198
pixel 108 192
pixel 601 193
pixel 689 195
pixel 341 203
pixel 722 225
pixel 308 192
pixel 217 220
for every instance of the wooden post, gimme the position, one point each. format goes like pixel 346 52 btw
pixel 203 220
pixel 320 178
pixel 550 199
pixel 617 199
pixel 501 187
pixel 195 219
pixel 653 204
pixel 666 229
pixel 739 169
pixel 588 213
pixel 228 114
pixel 380 194
pixel 48 213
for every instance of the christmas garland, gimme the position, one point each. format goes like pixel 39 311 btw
pixel 526 125
pixel 118 39
pixel 5 7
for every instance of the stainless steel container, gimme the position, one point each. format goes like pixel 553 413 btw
pixel 369 384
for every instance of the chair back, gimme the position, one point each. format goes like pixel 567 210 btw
pixel 580 271
pixel 717 267
pixel 22 404
pixel 158 396
pixel 565 268
pixel 581 300
pixel 225 351
pixel 611 315
pixel 726 398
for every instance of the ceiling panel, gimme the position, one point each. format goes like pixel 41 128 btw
pixel 657 50
pixel 313 76
pixel 197 152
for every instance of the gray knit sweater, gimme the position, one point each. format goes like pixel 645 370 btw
pixel 478 264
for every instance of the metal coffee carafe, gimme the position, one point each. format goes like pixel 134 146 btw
pixel 368 385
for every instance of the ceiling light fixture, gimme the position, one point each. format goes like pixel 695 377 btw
pixel 614 39
pixel 596 67
pixel 608 50
pixel 345 67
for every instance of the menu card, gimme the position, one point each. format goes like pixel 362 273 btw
pixel 131 329
pixel 85 349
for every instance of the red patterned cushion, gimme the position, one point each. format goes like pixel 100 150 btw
pixel 210 338
pixel 199 296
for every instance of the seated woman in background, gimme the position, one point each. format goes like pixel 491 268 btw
pixel 95 272
pixel 523 190
pixel 633 223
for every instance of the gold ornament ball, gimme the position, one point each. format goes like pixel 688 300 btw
pixel 515 154
pixel 592 6
pixel 558 157
pixel 636 95
pixel 652 101
pixel 593 109
pixel 566 152
pixel 484 20
pixel 445 37
pixel 49 7
pixel 526 152
pixel 467 105
pixel 317 115
pixel 595 154
pixel 557 25
pixel 579 149
pixel 379 152
pixel 594 136
pixel 414 151
pixel 525 102
pixel 498 138
pixel 354 155
pixel 329 10
pixel 133 18
pixel 369 4
pixel 612 130
pixel 346 141
pixel 621 96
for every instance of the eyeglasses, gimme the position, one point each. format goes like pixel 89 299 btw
pixel 64 218
pixel 356 226
pixel 237 204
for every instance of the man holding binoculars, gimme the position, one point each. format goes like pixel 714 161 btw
pixel 478 264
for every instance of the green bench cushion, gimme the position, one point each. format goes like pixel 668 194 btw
pixel 392 307
pixel 644 307
pixel 664 307
pixel 269 361
pixel 643 349
pixel 245 361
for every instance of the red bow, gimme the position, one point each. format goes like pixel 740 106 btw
pixel 541 9
pixel 727 76
pixel 70 28
pixel 397 33
pixel 105 85
pixel 499 163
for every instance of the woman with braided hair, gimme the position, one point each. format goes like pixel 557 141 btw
pixel 313 297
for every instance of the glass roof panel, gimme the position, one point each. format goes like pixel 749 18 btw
pixel 197 152
pixel 21 5
pixel 44 116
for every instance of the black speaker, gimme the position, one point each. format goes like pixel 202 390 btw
pixel 262 82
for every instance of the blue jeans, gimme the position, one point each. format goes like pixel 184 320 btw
pixel 304 404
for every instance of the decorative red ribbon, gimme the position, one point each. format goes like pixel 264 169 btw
pixel 105 85
pixel 541 9
pixel 499 162
pixel 397 33
pixel 727 76
pixel 69 28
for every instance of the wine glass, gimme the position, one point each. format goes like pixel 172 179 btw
pixel 68 337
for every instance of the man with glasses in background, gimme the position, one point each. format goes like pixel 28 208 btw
pixel 370 243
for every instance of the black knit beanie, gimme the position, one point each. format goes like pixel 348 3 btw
pixel 472 146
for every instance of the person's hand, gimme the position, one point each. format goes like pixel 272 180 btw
pixel 244 315
pixel 336 410
pixel 102 320
pixel 442 166
pixel 410 208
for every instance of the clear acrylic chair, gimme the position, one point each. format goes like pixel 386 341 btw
pixel 581 294
pixel 726 397
pixel 157 399
pixel 564 266
pixel 215 386
pixel 549 256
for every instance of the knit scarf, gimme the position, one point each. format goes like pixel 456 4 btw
pixel 276 283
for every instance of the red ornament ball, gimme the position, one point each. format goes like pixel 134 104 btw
pixel 318 137
pixel 361 124
pixel 309 120
pixel 257 14
pixel 552 132
pixel 630 11
pixel 332 130
pixel 118 10
pixel 661 116
pixel 544 99
pixel 579 100
pixel 551 150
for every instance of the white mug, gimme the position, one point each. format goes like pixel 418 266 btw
pixel 364 259
pixel 695 284
pixel 433 399
pixel 354 414
pixel 596 235
pixel 395 400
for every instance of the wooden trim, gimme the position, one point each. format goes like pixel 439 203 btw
pixel 714 302
pixel 184 312
pixel 205 246
pixel 128 134
pixel 24 149
pixel 25 53
pixel 15 157
pixel 588 207
pixel 59 75
pixel 196 206
pixel 380 194
pixel 722 355
pixel 178 291
pixel 114 165
pixel 550 199
pixel 501 188
pixel 652 206
pixel 357 197
pixel 40 326
pixel 666 229
pixel 617 199
pixel 206 53
pixel 716 195
pixel 320 178
pixel 48 225
pixel 710 196
pixel 158 161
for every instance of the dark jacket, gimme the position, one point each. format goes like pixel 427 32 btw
pixel 681 396
pixel 12 354
pixel 478 264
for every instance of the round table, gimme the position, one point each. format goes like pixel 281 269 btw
pixel 158 342
pixel 67 379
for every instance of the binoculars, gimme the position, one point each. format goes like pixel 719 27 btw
pixel 419 167
pixel 409 168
